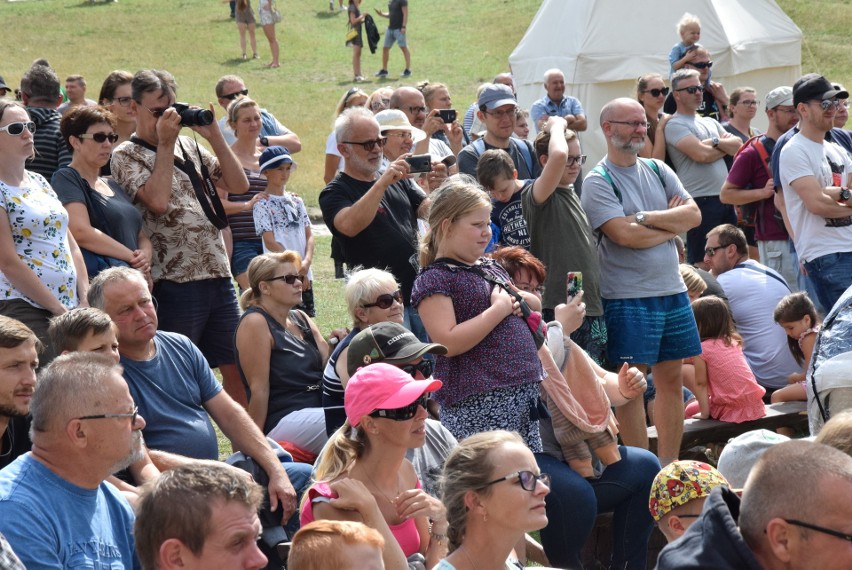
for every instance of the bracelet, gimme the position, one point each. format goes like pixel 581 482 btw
pixel 439 538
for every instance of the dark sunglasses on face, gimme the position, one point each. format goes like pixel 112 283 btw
pixel 289 279
pixel 100 137
pixel 385 301
pixel 831 103
pixel 711 251
pixel 369 145
pixel 404 413
pixel 657 92
pixel 527 479
pixel 692 89
pixel 232 96
pixel 701 64
pixel 424 367
pixel 17 129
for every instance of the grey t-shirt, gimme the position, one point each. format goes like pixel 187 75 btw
pixel 699 179
pixel 628 273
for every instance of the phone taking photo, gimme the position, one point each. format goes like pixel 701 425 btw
pixel 574 283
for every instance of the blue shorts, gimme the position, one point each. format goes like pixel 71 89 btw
pixel 206 311
pixel 650 330
pixel 397 36
pixel 244 251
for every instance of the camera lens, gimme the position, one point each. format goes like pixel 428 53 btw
pixel 193 117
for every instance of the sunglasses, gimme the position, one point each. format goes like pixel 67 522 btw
pixel 826 105
pixel 17 129
pixel 711 251
pixel 232 96
pixel 404 413
pixel 370 145
pixel 289 279
pixel 701 64
pixel 100 137
pixel 424 367
pixel 657 92
pixel 527 479
pixel 692 89
pixel 572 160
pixel 385 301
pixel 156 113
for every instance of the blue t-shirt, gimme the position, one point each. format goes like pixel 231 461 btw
pixel 547 107
pixel 170 390
pixel 52 523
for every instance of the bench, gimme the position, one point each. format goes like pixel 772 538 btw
pixel 702 432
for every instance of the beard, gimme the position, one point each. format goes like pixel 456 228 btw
pixel 9 411
pixel 137 452
pixel 633 147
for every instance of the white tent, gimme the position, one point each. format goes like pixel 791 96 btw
pixel 603 46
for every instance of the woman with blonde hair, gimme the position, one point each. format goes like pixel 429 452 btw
pixel 651 92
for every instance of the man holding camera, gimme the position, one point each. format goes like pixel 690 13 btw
pixel 171 178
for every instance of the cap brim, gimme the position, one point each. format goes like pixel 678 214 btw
pixel 409 393
pixel 414 351
pixel 417 134
pixel 500 102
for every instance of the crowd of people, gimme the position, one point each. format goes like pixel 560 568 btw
pixel 517 320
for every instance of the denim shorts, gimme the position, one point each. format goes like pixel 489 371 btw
pixel 397 36
pixel 651 329
pixel 206 311
pixel 244 251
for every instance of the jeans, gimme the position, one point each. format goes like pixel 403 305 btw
pixel 831 275
pixel 412 322
pixel 300 478
pixel 573 503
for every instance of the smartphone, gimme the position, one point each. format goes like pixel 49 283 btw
pixel 419 163
pixel 447 115
pixel 574 283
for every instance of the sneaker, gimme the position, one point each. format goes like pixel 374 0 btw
pixel 331 5
pixel 382 73
pixel 406 73
pixel 359 78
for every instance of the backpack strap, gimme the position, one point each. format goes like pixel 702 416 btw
pixel 521 146
pixel 757 141
pixel 602 171
pixel 765 272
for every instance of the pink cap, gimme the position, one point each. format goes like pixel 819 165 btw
pixel 382 386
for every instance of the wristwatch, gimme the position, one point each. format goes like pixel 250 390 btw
pixel 264 141
pixel 715 141
pixel 640 218
pixel 845 194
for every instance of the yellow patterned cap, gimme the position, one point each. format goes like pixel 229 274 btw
pixel 680 482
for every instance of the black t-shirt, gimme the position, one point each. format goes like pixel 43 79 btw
pixel 509 217
pixel 15 441
pixel 390 240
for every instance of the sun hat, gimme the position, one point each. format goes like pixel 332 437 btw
pixel 680 482
pixel 387 342
pixel 275 156
pixel 382 386
pixel 396 120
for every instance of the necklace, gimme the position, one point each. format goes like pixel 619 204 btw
pixel 379 489
pixel 466 555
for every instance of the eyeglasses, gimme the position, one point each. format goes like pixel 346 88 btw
pixel 404 413
pixel 385 301
pixel 784 109
pixel 404 136
pixel 657 92
pixel 100 138
pixel 123 101
pixel 232 96
pixel 424 367
pixel 581 160
pixel 692 89
pixel 156 113
pixel 17 129
pixel 527 287
pixel 631 124
pixel 289 279
pixel 501 114
pixel 700 64
pixel 416 110
pixel 828 104
pixel 527 479
pixel 132 415
pixel 370 145
pixel 711 251
pixel 751 103
pixel 838 534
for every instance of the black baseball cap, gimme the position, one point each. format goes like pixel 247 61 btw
pixel 387 342
pixel 3 84
pixel 814 87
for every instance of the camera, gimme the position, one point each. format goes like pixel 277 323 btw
pixel 447 115
pixel 193 117
pixel 419 163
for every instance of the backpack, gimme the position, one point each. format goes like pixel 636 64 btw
pixel 749 211
pixel 479 147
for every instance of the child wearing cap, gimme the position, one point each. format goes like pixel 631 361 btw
pixel 282 219
pixel 678 494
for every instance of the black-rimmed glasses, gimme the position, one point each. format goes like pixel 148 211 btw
pixel 404 413
pixel 123 101
pixel 17 129
pixel 132 415
pixel 581 160
pixel 692 89
pixel 424 367
pixel 232 96
pixel 289 279
pixel 385 301
pixel 527 480
pixel 100 138
pixel 369 145
pixel 822 529
pixel 657 92
pixel 711 251
pixel 633 124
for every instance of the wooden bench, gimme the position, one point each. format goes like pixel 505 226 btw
pixel 702 432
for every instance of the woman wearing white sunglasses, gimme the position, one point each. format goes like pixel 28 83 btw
pixel 41 268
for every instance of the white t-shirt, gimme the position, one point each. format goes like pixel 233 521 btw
pixel 286 217
pixel 331 148
pixel 753 295
pixel 815 236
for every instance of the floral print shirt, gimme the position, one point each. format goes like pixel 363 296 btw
pixel 39 225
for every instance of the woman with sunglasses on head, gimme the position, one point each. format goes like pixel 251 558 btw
pixel 651 93
pixel 42 272
pixel 372 296
pixel 363 474
pixel 281 353
pixel 494 493
pixel 103 221
pixel 116 96
pixel 355 97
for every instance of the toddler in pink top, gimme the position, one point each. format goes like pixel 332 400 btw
pixel 724 386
